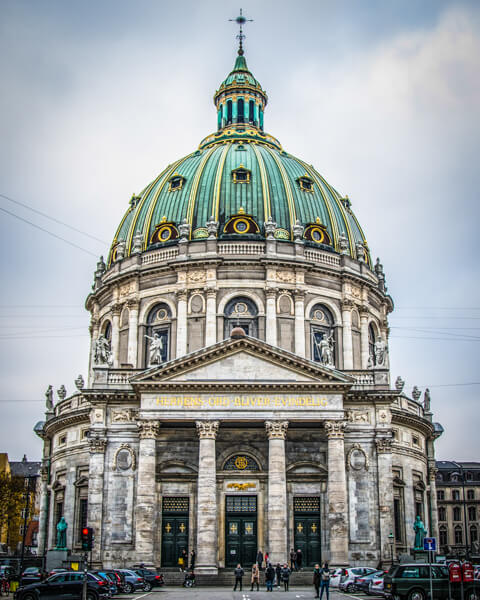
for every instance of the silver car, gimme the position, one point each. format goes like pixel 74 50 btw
pixel 348 576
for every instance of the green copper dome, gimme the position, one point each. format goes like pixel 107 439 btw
pixel 241 185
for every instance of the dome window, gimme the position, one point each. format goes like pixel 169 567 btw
pixel 317 232
pixel 175 182
pixel 241 175
pixel 241 223
pixel 164 232
pixel 305 184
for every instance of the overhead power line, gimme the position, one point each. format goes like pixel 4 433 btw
pixel 39 212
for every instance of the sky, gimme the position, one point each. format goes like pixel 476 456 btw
pixel 381 96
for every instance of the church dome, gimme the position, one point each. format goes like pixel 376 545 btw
pixel 240 184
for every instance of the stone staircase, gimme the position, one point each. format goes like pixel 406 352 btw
pixel 225 578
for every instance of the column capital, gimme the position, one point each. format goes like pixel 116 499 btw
pixel 384 445
pixel 335 429
pixel 271 293
pixel 347 304
pixel 148 429
pixel 364 311
pixel 207 429
pixel 97 445
pixel 117 309
pixel 276 429
pixel 299 294
pixel 211 293
pixel 133 303
pixel 181 295
pixel 432 473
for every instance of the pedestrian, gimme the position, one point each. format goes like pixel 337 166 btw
pixel 317 577
pixel 293 560
pixel 285 576
pixel 278 572
pixel 239 573
pixel 299 559
pixel 267 559
pixel 269 577
pixel 325 580
pixel 192 560
pixel 255 576
pixel 182 559
pixel 259 560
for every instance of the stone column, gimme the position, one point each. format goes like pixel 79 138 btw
pixel 132 333
pixel 181 323
pixel 43 514
pixel 432 481
pixel 94 331
pixel 211 318
pixel 206 560
pixel 277 492
pixel 95 493
pixel 300 323
pixel 337 519
pixel 271 317
pixel 347 335
pixel 116 310
pixel 364 337
pixel 146 494
pixel 385 494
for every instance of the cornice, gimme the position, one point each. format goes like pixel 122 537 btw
pixel 418 454
pixel 66 420
pixel 418 423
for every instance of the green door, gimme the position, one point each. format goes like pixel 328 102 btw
pixel 174 530
pixel 241 531
pixel 307 529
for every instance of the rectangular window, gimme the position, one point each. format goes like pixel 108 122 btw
pixel 397 519
pixel 82 516
pixel 241 504
pixel 58 512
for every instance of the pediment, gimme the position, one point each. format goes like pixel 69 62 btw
pixel 242 361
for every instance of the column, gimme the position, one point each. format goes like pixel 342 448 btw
pixel 132 333
pixel 432 480
pixel 116 310
pixel 94 330
pixel 347 335
pixel 271 317
pixel 385 495
pixel 206 561
pixel 364 337
pixel 277 492
pixel 43 513
pixel 211 318
pixel 300 323
pixel 337 519
pixel 181 323
pixel 146 496
pixel 98 445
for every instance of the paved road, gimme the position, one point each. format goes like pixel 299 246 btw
pixel 223 593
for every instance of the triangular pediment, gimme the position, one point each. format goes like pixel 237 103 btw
pixel 245 360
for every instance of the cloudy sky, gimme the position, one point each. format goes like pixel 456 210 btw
pixel 381 96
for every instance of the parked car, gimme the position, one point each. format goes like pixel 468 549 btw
pixel 112 583
pixel 335 577
pixel 62 586
pixel 133 581
pixel 31 575
pixel 348 576
pixel 152 579
pixel 362 582
pixel 412 582
pixel 375 585
pixel 100 582
pixel 117 577
pixel 59 570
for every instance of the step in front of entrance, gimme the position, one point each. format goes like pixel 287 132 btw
pixel 226 578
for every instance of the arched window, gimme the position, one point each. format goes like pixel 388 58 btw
pixel 442 514
pixel 458 535
pixel 439 477
pixel 473 534
pixel 251 112
pixel 107 331
pixel 240 111
pixel 157 344
pixel 229 112
pixel 455 494
pixel 472 513
pixel 469 476
pixel 371 346
pixel 443 536
pixel 456 513
pixel 241 312
pixel 470 494
pixel 322 335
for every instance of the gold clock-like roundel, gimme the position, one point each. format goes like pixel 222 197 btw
pixel 241 226
pixel 241 462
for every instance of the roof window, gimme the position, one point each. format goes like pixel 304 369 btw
pixel 241 175
pixel 175 182
pixel 305 183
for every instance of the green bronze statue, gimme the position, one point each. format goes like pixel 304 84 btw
pixel 62 534
pixel 420 533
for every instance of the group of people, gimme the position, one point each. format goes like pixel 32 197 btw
pixel 280 574
pixel 183 560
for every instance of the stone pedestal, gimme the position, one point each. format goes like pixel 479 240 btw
pixel 337 519
pixel 385 494
pixel 55 559
pixel 146 497
pixel 277 492
pixel 206 560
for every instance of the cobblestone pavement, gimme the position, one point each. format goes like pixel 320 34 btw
pixel 223 593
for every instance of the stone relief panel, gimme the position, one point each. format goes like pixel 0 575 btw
pixel 197 276
pixel 357 459
pixel 360 417
pixel 97 416
pixel 286 276
pixel 196 304
pixel 123 415
pixel 124 458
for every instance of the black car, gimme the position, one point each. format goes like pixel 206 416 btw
pixel 62 586
pixel 31 575
pixel 151 579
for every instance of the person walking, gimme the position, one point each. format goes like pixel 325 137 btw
pixel 325 580
pixel 293 560
pixel 259 560
pixel 285 576
pixel 299 560
pixel 269 577
pixel 317 577
pixel 192 560
pixel 182 560
pixel 239 573
pixel 278 572
pixel 255 576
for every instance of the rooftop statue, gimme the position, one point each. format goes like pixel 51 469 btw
pixel 155 349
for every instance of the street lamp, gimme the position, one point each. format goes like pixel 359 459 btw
pixel 462 475
pixel 391 541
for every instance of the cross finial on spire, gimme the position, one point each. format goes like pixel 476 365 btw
pixel 241 20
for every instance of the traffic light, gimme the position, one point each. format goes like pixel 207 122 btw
pixel 87 538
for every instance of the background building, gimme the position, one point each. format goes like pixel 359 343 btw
pixel 239 389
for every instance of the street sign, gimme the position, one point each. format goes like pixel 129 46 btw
pixel 430 544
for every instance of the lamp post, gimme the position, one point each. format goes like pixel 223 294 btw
pixel 391 541
pixel 465 525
